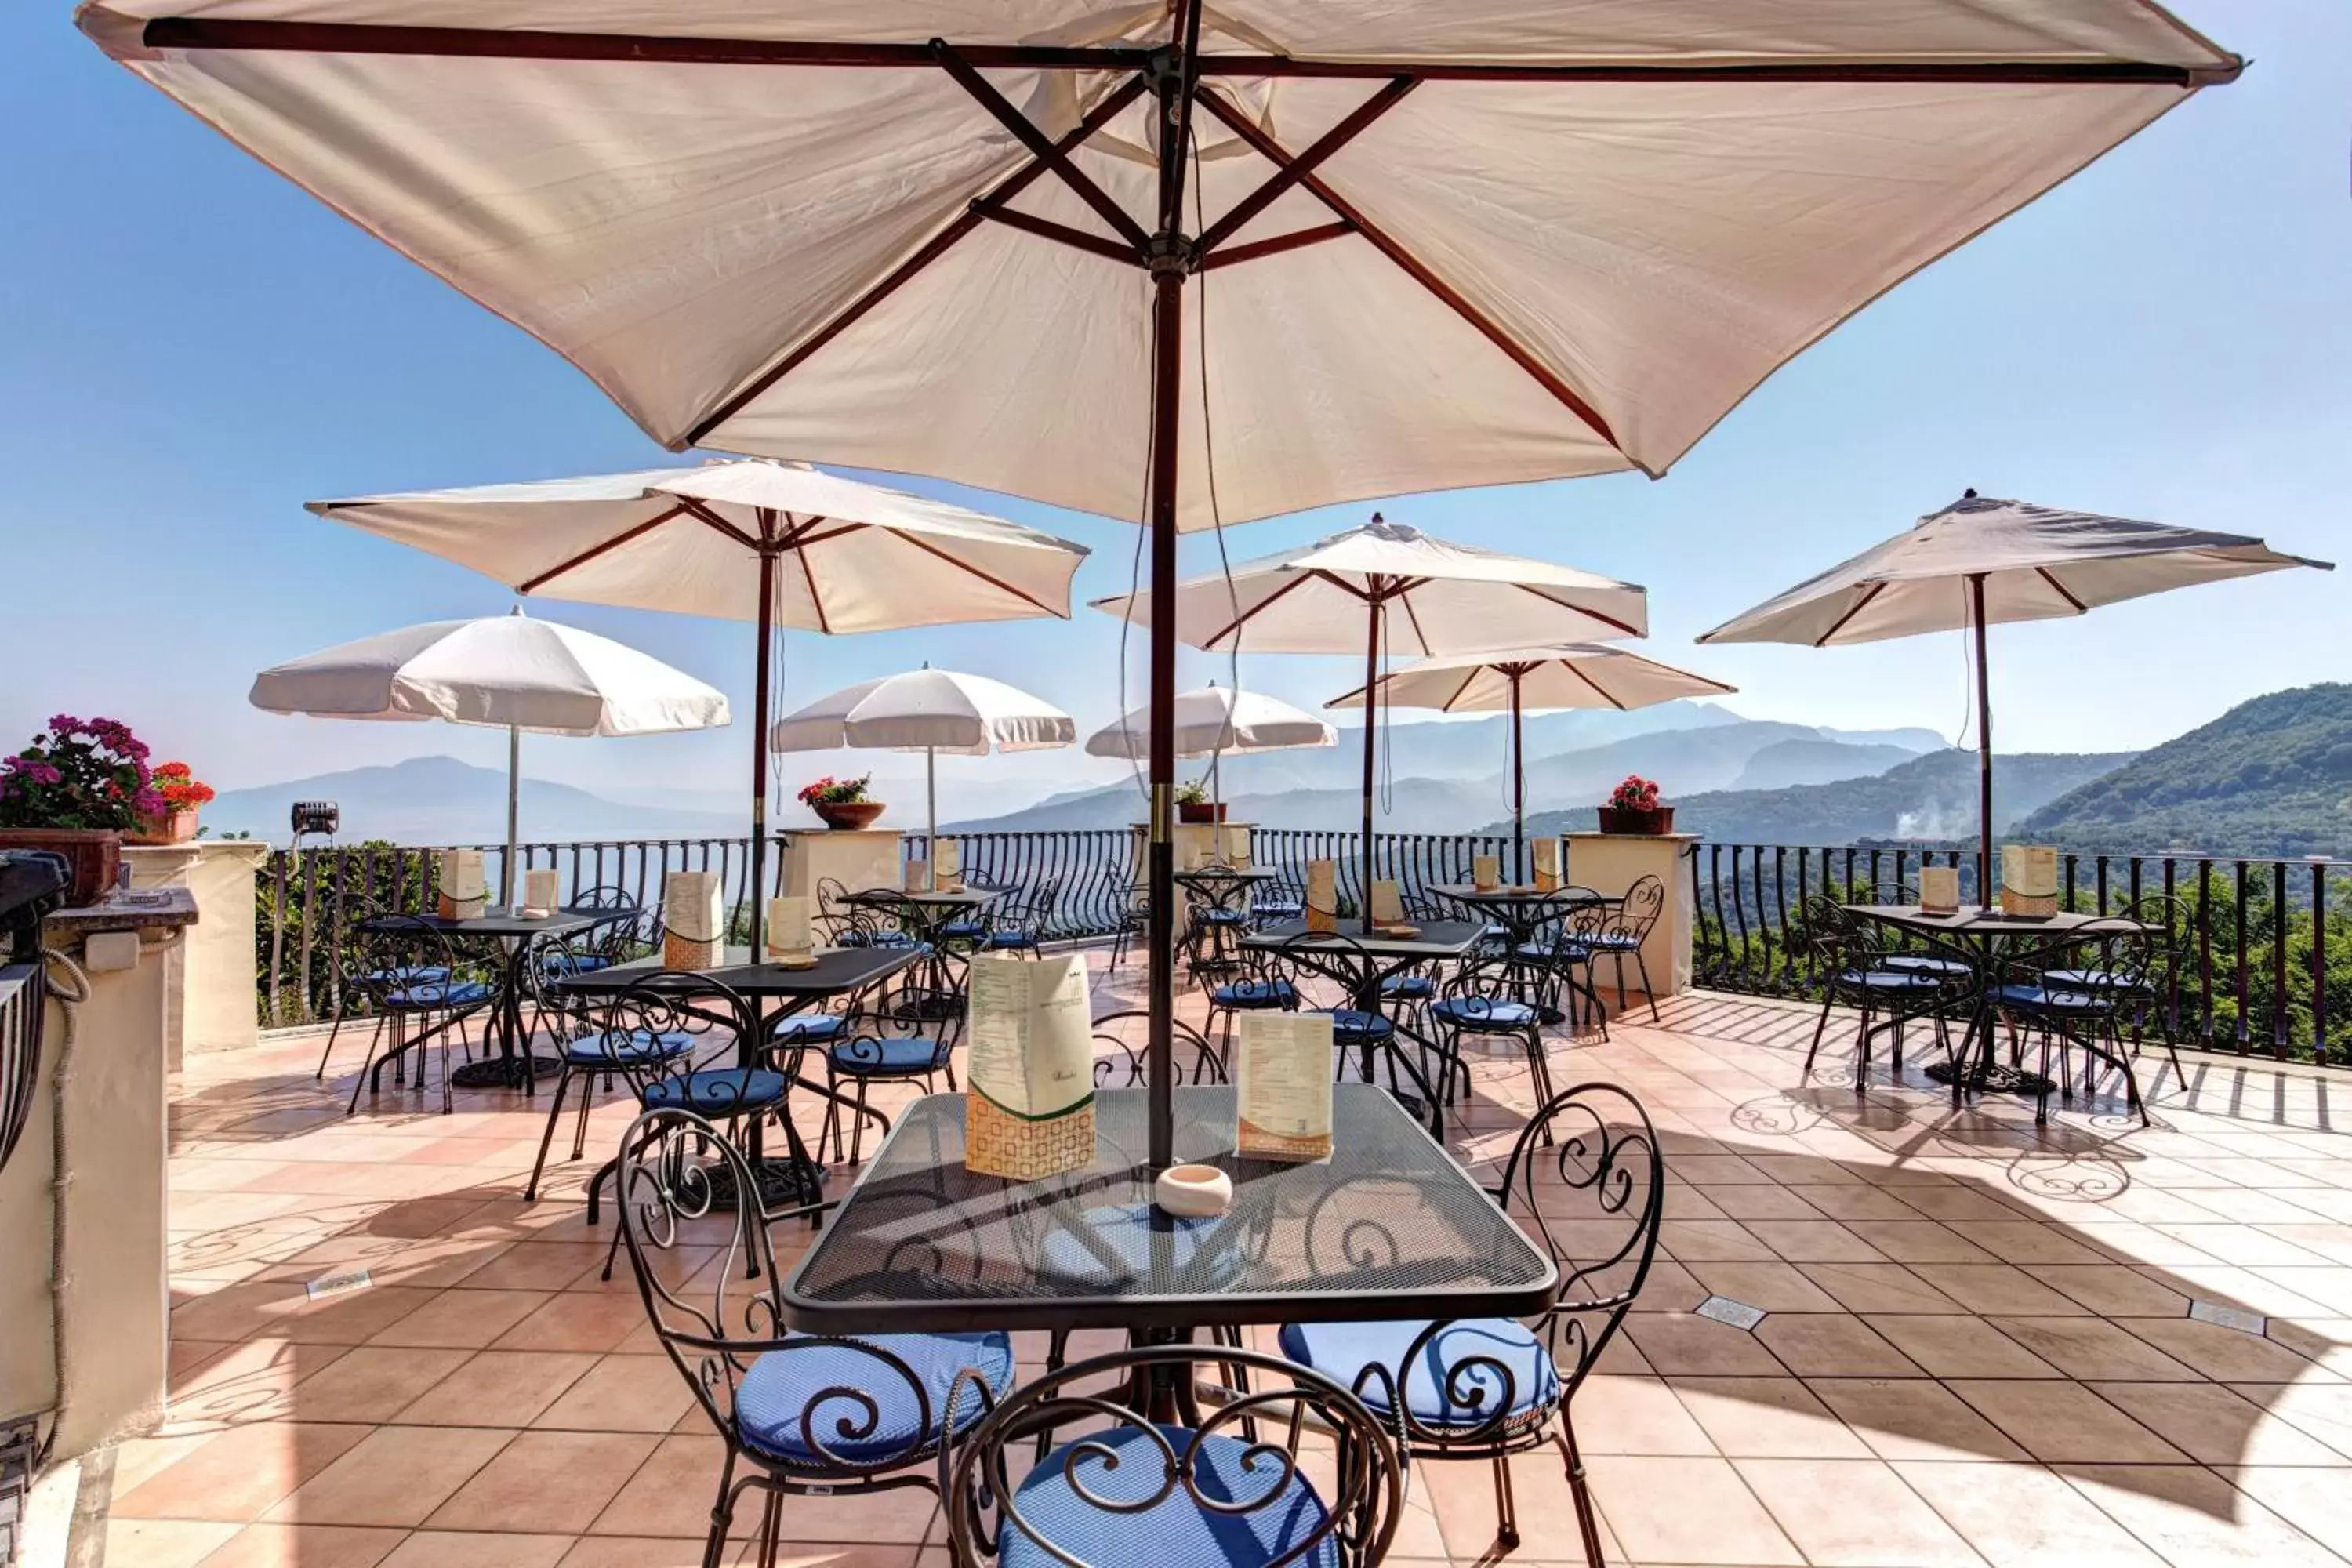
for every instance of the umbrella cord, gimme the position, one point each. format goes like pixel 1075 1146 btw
pixel 1216 510
pixel 1967 681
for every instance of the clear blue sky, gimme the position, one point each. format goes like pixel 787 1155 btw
pixel 193 348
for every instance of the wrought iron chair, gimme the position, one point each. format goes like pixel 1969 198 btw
pixel 1024 924
pixel 1369 1034
pixel 356 979
pixel 1563 957
pixel 1258 984
pixel 1850 958
pixel 618 940
pixel 1487 995
pixel 1277 900
pixel 801 1414
pixel 1622 930
pixel 2149 997
pixel 2087 1007
pixel 1116 1489
pixel 1487 1389
pixel 1902 952
pixel 632 1040
pixel 405 969
pixel 1134 922
pixel 1125 1067
pixel 863 1060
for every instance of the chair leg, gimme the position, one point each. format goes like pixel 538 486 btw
pixel 587 1100
pixel 1506 1514
pixel 1642 965
pixel 857 1126
pixel 772 1519
pixel 554 1114
pixel 1619 959
pixel 1587 1524
pixel 1820 1028
pixel 722 1514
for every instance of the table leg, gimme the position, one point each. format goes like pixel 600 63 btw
pixel 514 1066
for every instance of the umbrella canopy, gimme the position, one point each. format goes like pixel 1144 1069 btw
pixel 832 554
pixel 508 672
pixel 1123 257
pixel 1217 719
pixel 1572 675
pixel 929 711
pixel 1981 559
pixel 1386 586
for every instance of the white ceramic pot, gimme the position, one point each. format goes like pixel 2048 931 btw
pixel 1193 1192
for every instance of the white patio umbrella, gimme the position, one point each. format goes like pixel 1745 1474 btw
pixel 1385 586
pixel 1216 721
pixel 926 710
pixel 1571 675
pixel 1123 257
pixel 781 544
pixel 508 672
pixel 1981 559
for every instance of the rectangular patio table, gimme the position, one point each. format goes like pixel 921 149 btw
pixel 928 911
pixel 519 938
pixel 1982 938
pixel 1389 1227
pixel 838 971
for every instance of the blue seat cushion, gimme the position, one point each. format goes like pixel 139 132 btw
pixel 962 930
pixel 2045 999
pixel 1922 963
pixel 1246 993
pixel 1409 987
pixel 440 994
pixel 2091 980
pixel 1220 917
pixel 1898 980
pixel 1450 1382
pixel 573 962
pixel 1276 909
pixel 1484 1013
pixel 629 1047
pixel 893 1054
pixel 1349 1026
pixel 779 1387
pixel 1178 1530
pixel 1563 953
pixel 408 975
pixel 715 1091
pixel 808 1028
pixel 1012 936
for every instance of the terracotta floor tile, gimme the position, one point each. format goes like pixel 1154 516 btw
pixel 238 1474
pixel 1960 1347
pixel 1773 1287
pixel 372 1383
pixel 1635 1416
pixel 1858 1512
pixel 1832 1344
pixel 2063 1422
pixel 2111 1291
pixel 1913 1418
pixel 461 1320
pixel 622 1393
pixel 2087 1347
pixel 398 1476
pixel 1814 1241
pixel 1674 1342
pixel 498 1388
pixel 162 1543
pixel 254 1382
pixel 1686 1511
pixel 1988 1287
pixel 1776 1417
pixel 1877 1288
pixel 546 1482
pixel 672 1492
pixel 1462 1518
pixel 441 1549
pixel 2022 1516
pixel 305 1546
pixel 2323 1410
pixel 2223 1354
pixel 1755 1203
pixel 1720 1240
pixel 576 1320
pixel 2215 1425
pixel 538 1265
pixel 2194 1519
pixel 2315 1501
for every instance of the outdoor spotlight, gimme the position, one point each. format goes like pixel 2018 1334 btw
pixel 322 817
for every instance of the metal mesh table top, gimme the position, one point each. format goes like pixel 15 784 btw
pixel 561 923
pixel 1470 893
pixel 1389 1227
pixel 1434 938
pixel 1981 922
pixel 837 970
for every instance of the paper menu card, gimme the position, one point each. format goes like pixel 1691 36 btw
pixel 1939 889
pixel 918 877
pixel 947 864
pixel 792 935
pixel 1485 872
pixel 2029 879
pixel 1283 1086
pixel 1547 851
pixel 1032 1072
pixel 465 890
pixel 1388 904
pixel 694 921
pixel 1322 895
pixel 540 892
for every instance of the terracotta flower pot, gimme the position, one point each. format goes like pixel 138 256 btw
pixel 172 827
pixel 93 854
pixel 1623 820
pixel 848 815
pixel 1200 811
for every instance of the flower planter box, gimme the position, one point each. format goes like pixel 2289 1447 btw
pixel 848 815
pixel 172 827
pixel 92 857
pixel 1200 811
pixel 1648 824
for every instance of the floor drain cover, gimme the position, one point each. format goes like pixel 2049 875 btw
pixel 2236 1318
pixel 1724 1309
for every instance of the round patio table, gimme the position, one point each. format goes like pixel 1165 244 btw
pixel 518 940
pixel 1523 911
pixel 923 915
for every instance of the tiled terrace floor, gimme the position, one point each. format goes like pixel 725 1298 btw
pixel 1979 1347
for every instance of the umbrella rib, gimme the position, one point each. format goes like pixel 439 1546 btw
pixel 503 43
pixel 1290 172
pixel 1063 234
pixel 2080 607
pixel 939 245
pixel 991 580
pixel 1852 610
pixel 1412 266
pixel 1041 146
pixel 1237 622
pixel 1605 619
pixel 712 520
pixel 816 600
pixel 1570 666
pixel 1414 616
pixel 1276 246
pixel 1468 679
pixel 593 552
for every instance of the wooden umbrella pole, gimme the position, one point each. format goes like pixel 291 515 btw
pixel 1518 789
pixel 1984 747
pixel 514 814
pixel 767 622
pixel 1371 730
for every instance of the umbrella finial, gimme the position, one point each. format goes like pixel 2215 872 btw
pixel 1970 493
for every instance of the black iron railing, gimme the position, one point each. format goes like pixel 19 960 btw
pixel 2264 965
